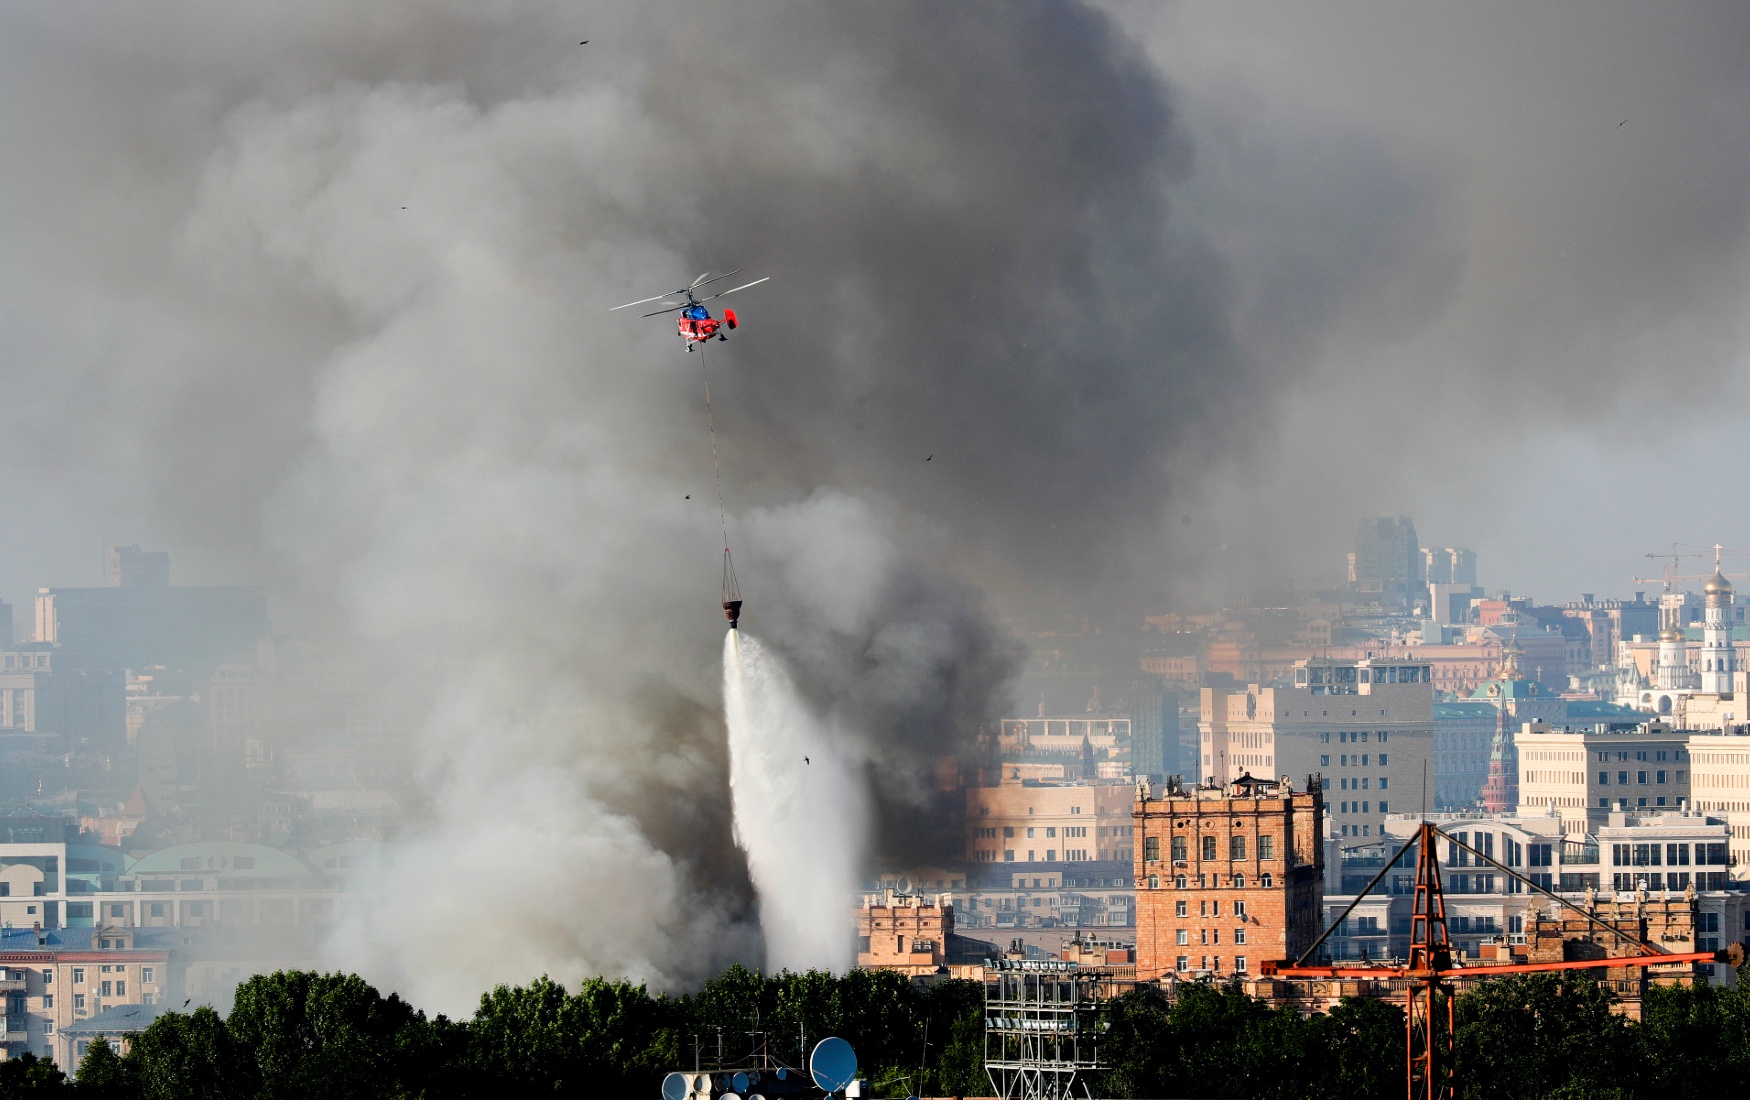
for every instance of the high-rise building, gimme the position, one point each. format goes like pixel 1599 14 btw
pixel 1449 565
pixel 132 567
pixel 1365 727
pixel 139 626
pixel 1227 875
pixel 1388 562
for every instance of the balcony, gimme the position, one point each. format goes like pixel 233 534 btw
pixel 14 1029
pixel 12 981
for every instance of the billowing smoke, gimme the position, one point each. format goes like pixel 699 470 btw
pixel 319 292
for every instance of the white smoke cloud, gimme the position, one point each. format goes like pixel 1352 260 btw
pixel 801 810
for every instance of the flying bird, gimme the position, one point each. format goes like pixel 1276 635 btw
pixel 805 759
pixel 689 496
pixel 927 459
pixel 186 1003
pixel 585 42
pixel 1621 124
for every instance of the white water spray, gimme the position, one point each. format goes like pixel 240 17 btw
pixel 801 812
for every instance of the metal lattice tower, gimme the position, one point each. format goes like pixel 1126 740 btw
pixel 1041 1020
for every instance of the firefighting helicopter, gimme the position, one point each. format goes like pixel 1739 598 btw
pixel 695 324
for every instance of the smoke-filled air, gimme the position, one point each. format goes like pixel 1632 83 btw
pixel 1077 312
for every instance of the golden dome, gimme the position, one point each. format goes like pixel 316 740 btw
pixel 1717 585
pixel 1670 634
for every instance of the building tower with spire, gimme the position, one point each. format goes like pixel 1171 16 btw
pixel 1717 662
pixel 1501 790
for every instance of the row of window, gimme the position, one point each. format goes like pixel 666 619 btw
pixel 1351 760
pixel 1346 738
pixel 1205 882
pixel 1183 962
pixel 1359 808
pixel 1640 778
pixel 1207 936
pixel 1674 855
pixel 1209 848
pixel 1207 908
pixel 1641 755
pixel 1359 783
pixel 1071 831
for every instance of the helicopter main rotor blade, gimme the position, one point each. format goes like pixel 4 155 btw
pixel 660 312
pixel 641 301
pixel 716 279
pixel 699 280
pixel 743 286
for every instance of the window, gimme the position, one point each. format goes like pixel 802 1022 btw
pixel 1382 759
pixel 1239 964
pixel 1008 855
pixel 1183 937
pixel 1029 832
pixel 78 975
pixel 1180 907
pixel 1236 847
pixel 1151 849
pixel 1239 935
pixel 1661 777
pixel 48 1000
pixel 107 990
pixel 1154 882
pixel 1050 831
pixel 48 977
pixel 1324 761
pixel 78 1002
pixel 1604 779
pixel 1622 779
pixel 1178 849
pixel 1183 962
pixel 1382 779
pixel 1265 880
pixel 1009 831
pixel 1209 847
pixel 121 989
pixel 1179 881
pixel 1641 778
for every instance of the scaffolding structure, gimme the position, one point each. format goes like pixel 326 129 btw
pixel 1041 1028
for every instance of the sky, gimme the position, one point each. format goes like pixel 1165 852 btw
pixel 1070 307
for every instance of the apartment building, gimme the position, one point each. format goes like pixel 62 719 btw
pixel 1226 876
pixel 56 979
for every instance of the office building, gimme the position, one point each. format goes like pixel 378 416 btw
pixel 1366 728
pixel 132 567
pixel 1583 775
pixel 1386 567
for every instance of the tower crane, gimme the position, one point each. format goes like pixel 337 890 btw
pixel 1669 572
pixel 1429 972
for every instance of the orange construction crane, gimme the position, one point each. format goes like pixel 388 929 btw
pixel 1429 971
pixel 1669 573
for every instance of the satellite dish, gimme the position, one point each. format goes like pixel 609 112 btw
pixel 677 1086
pixel 783 1073
pixel 702 1083
pixel 739 1082
pixel 833 1065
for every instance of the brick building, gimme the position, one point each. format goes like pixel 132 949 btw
pixel 1226 876
pixel 904 932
